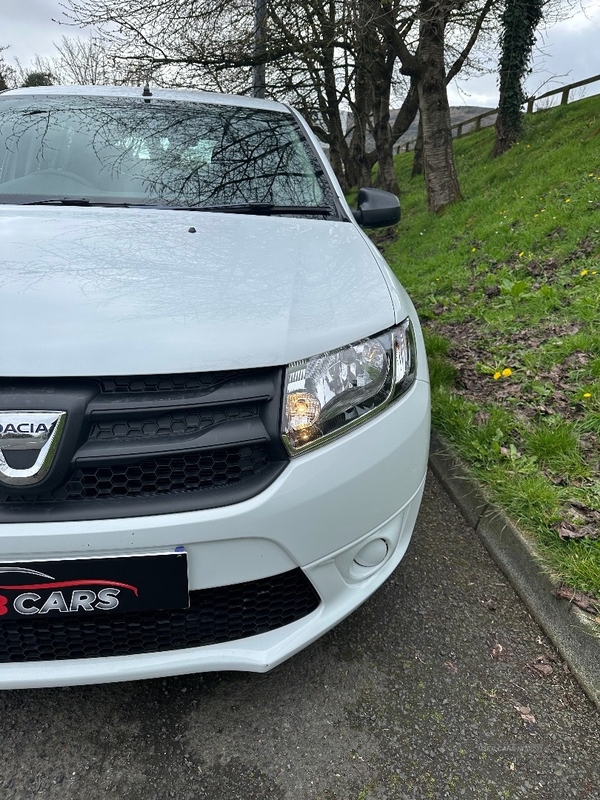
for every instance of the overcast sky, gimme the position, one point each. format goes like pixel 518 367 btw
pixel 571 48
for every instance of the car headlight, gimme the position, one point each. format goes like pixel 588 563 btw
pixel 328 394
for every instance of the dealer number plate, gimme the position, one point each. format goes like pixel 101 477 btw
pixel 50 589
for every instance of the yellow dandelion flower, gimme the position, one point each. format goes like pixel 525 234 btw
pixel 591 175
pixel 473 249
pixel 594 272
pixel 583 272
pixel 497 375
pixel 528 145
pixel 587 394
pixel 506 373
pixel 542 210
pixel 568 200
pixel 536 215
pixel 521 254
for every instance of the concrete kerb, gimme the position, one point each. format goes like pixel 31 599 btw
pixel 562 622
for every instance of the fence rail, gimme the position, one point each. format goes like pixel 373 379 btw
pixel 476 121
pixel 564 90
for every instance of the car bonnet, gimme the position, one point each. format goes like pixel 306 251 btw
pixel 100 291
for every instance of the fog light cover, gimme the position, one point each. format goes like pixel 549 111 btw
pixel 330 393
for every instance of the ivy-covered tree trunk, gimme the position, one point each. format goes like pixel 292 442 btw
pixel 519 22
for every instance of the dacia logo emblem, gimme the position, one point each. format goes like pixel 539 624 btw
pixel 39 431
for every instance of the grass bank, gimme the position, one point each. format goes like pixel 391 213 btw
pixel 507 285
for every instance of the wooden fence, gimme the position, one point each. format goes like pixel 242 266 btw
pixel 459 127
pixel 564 90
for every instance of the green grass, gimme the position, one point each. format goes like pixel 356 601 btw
pixel 507 284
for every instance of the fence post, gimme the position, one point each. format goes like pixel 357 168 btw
pixel 407 147
pixel 459 131
pixel 565 97
pixel 530 103
pixel 478 124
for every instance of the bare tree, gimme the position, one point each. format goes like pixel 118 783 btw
pixel 425 61
pixel 8 75
pixel 324 56
pixel 85 61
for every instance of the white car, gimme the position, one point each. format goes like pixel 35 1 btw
pixel 214 398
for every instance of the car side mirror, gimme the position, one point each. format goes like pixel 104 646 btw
pixel 376 208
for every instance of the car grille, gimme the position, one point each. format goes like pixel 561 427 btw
pixel 189 472
pixel 174 424
pixel 144 445
pixel 144 384
pixel 222 614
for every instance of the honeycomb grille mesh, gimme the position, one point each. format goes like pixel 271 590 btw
pixel 154 476
pixel 178 423
pixel 222 614
pixel 203 381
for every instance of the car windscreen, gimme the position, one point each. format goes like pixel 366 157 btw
pixel 158 152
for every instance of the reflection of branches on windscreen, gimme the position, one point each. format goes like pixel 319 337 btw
pixel 14 128
pixel 45 135
pixel 255 161
pixel 174 153
pixel 239 157
pixel 200 155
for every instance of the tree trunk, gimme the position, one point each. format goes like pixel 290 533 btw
pixel 407 113
pixel 386 174
pixel 506 136
pixel 417 165
pixel 381 71
pixel 519 22
pixel 441 179
pixel 329 99
pixel 358 165
pixel 336 159
pixel 382 133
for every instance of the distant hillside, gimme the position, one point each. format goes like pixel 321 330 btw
pixel 457 114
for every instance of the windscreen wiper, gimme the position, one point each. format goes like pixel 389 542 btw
pixel 73 201
pixel 233 208
pixel 263 208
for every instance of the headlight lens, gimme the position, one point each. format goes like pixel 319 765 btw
pixel 332 392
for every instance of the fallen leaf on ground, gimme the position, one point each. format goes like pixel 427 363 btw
pixel 568 531
pixel 582 600
pixel 580 513
pixel 526 715
pixel 540 666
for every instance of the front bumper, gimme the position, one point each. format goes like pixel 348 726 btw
pixel 317 516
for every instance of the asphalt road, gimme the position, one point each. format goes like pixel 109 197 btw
pixel 440 686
